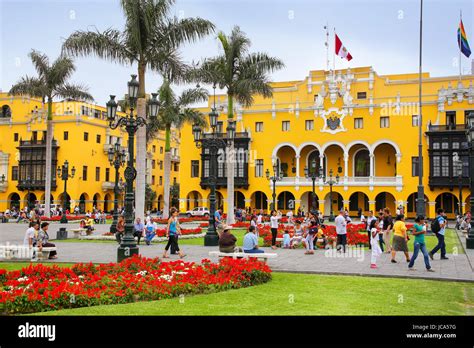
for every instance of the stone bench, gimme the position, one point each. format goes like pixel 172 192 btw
pixel 15 252
pixel 263 256
pixel 79 232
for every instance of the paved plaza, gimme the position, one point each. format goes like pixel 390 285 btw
pixel 354 262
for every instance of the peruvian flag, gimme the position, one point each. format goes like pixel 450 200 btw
pixel 341 51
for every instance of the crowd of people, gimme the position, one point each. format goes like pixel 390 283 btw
pixel 386 234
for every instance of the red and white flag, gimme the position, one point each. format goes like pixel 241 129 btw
pixel 341 51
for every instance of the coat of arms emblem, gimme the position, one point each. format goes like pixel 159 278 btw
pixel 333 122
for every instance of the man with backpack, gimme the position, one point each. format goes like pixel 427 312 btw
pixel 438 227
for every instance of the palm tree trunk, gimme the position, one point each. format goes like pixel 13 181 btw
pixel 230 167
pixel 141 146
pixel 49 152
pixel 167 173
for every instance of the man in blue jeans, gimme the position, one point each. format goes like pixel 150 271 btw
pixel 419 233
pixel 440 235
pixel 251 242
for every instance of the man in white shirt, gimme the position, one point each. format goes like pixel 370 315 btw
pixel 341 230
pixel 30 239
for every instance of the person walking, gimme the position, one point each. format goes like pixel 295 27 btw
pixel 400 238
pixel 439 227
pixel 387 229
pixel 172 231
pixel 419 231
pixel 274 219
pixel 374 241
pixel 380 229
pixel 341 230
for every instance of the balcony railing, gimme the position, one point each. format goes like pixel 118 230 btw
pixel 35 184
pixel 345 181
pixel 447 127
pixel 238 135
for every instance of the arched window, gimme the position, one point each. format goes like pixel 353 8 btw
pixel 362 163
pixel 6 112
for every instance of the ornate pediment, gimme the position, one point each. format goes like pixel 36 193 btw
pixel 334 88
pixel 457 94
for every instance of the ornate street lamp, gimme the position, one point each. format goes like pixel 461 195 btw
pixel 130 123
pixel 310 173
pixel 212 142
pixel 117 158
pixel 277 176
pixel 63 174
pixel 331 181
pixel 458 171
pixel 2 178
pixel 470 139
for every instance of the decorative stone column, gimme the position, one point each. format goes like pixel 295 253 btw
pixel 431 210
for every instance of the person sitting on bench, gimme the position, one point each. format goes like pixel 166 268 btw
pixel 251 242
pixel 227 240
pixel 43 237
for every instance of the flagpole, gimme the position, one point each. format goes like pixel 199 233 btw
pixel 459 44
pixel 420 201
pixel 334 54
pixel 327 46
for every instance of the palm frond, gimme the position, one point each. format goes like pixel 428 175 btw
pixel 73 92
pixel 40 62
pixel 107 45
pixel 192 96
pixel 29 86
pixel 61 70
pixel 178 31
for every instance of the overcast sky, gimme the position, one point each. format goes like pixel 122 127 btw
pixel 380 33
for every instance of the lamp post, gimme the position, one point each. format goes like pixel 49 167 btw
pixel 331 181
pixel 63 174
pixel 277 176
pixel 131 123
pixel 310 173
pixel 212 142
pixel 2 178
pixel 458 167
pixel 117 159
pixel 470 139
pixel 28 193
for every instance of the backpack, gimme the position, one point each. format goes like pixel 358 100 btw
pixel 435 226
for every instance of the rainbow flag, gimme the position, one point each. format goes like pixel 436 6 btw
pixel 462 41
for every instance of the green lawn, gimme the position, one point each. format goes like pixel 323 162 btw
pixel 12 266
pixel 302 294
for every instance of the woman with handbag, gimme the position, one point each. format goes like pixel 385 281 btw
pixel 172 231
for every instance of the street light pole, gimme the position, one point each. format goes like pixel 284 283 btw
pixel 311 174
pixel 63 174
pixel 420 201
pixel 277 176
pixel 213 143
pixel 331 181
pixel 131 123
pixel 117 159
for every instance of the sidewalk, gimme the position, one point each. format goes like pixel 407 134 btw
pixel 457 268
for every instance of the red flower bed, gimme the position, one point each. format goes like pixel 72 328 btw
pixel 182 219
pixel 40 288
pixel 355 234
pixel 241 224
pixel 69 218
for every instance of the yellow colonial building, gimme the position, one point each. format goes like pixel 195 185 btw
pixel 360 125
pixel 82 137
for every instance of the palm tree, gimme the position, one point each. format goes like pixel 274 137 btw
pixel 174 112
pixel 151 39
pixel 243 75
pixel 50 83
